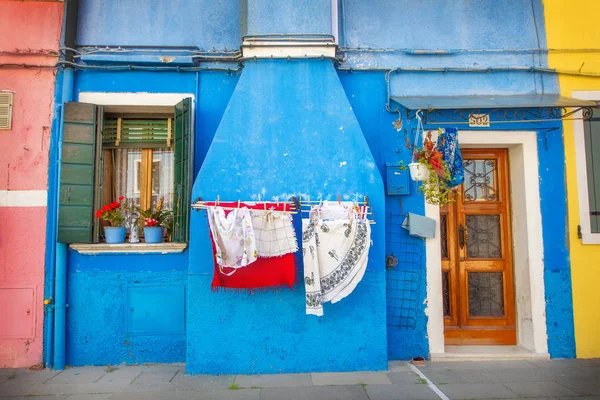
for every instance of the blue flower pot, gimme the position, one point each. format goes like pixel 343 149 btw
pixel 114 234
pixel 153 234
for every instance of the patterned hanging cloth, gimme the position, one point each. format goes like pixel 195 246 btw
pixel 277 270
pixel 447 144
pixel 336 254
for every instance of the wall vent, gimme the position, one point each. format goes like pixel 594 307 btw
pixel 6 101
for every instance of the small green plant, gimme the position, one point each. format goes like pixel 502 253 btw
pixel 234 386
pixel 12 375
pixel 364 386
pixel 109 369
pixel 423 381
pixel 158 217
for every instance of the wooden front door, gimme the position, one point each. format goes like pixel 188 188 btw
pixel 477 271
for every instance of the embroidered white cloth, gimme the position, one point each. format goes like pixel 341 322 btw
pixel 335 210
pixel 335 259
pixel 274 232
pixel 233 236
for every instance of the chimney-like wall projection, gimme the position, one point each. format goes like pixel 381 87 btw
pixel 288 130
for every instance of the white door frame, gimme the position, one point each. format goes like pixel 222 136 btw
pixel 527 242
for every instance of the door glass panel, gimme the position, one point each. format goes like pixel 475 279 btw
pixel 481 181
pixel 483 239
pixel 444 235
pixel 486 294
pixel 446 293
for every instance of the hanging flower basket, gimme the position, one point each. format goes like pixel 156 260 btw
pixel 418 171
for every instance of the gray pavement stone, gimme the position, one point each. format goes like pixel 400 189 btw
pixel 476 391
pixel 243 394
pixel 586 387
pixel 310 392
pixel 477 365
pixel 191 382
pixel 459 376
pixel 350 378
pixel 537 374
pixel 405 378
pixel 402 392
pixel 281 380
pixel 155 374
pixel 539 389
pixel 398 366
pixel 88 396
pixel 78 375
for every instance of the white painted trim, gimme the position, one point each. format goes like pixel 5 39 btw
pixel 23 198
pixel 265 49
pixel 335 30
pixel 132 99
pixel 532 236
pixel 587 237
pixel 137 248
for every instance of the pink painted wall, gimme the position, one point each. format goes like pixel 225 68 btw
pixel 25 27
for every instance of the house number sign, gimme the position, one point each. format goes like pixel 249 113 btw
pixel 479 120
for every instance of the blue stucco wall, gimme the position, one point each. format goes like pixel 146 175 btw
pixel 97 331
pixel 288 130
pixel 297 17
pixel 406 329
pixel 205 24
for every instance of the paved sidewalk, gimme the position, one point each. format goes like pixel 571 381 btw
pixel 557 379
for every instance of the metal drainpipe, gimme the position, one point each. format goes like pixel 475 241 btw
pixel 60 290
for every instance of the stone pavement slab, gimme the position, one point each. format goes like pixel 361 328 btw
pixel 405 391
pixel 78 375
pixel 406 378
pixel 158 373
pixel 281 380
pixel 192 382
pixel 244 394
pixel 539 389
pixel 477 391
pixel 354 392
pixel 586 387
pixel 350 378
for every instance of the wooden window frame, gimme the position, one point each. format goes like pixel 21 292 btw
pixel 587 236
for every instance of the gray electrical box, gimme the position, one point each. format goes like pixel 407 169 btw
pixel 397 179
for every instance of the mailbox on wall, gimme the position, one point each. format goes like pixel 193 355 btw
pixel 397 179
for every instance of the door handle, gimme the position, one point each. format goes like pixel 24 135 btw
pixel 461 236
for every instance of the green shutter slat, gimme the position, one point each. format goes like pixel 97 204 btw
pixel 149 132
pixel 75 211
pixel 182 174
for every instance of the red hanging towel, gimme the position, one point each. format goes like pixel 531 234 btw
pixel 262 273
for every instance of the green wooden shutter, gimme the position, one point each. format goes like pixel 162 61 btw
pixel 182 165
pixel 77 173
pixel 136 133
pixel 592 156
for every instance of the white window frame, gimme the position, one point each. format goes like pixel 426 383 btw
pixel 587 237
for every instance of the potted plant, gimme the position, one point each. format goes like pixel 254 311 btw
pixel 115 233
pixel 155 221
pixel 429 167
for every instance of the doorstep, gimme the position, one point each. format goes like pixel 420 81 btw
pixel 480 353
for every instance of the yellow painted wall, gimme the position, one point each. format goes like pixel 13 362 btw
pixel 574 24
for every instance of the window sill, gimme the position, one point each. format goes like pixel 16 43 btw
pixel 136 248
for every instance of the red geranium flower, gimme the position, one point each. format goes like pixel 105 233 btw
pixel 121 198
pixel 99 213
pixel 105 208
pixel 115 204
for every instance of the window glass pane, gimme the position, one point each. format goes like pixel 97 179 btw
pixel 162 177
pixel 127 170
pixel 481 182
pixel 444 235
pixel 486 294
pixel 128 173
pixel 446 293
pixel 592 156
pixel 483 239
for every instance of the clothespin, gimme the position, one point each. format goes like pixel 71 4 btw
pixel 339 200
pixel 218 199
pixel 277 200
pixel 239 201
pixel 284 204
pixel 265 205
